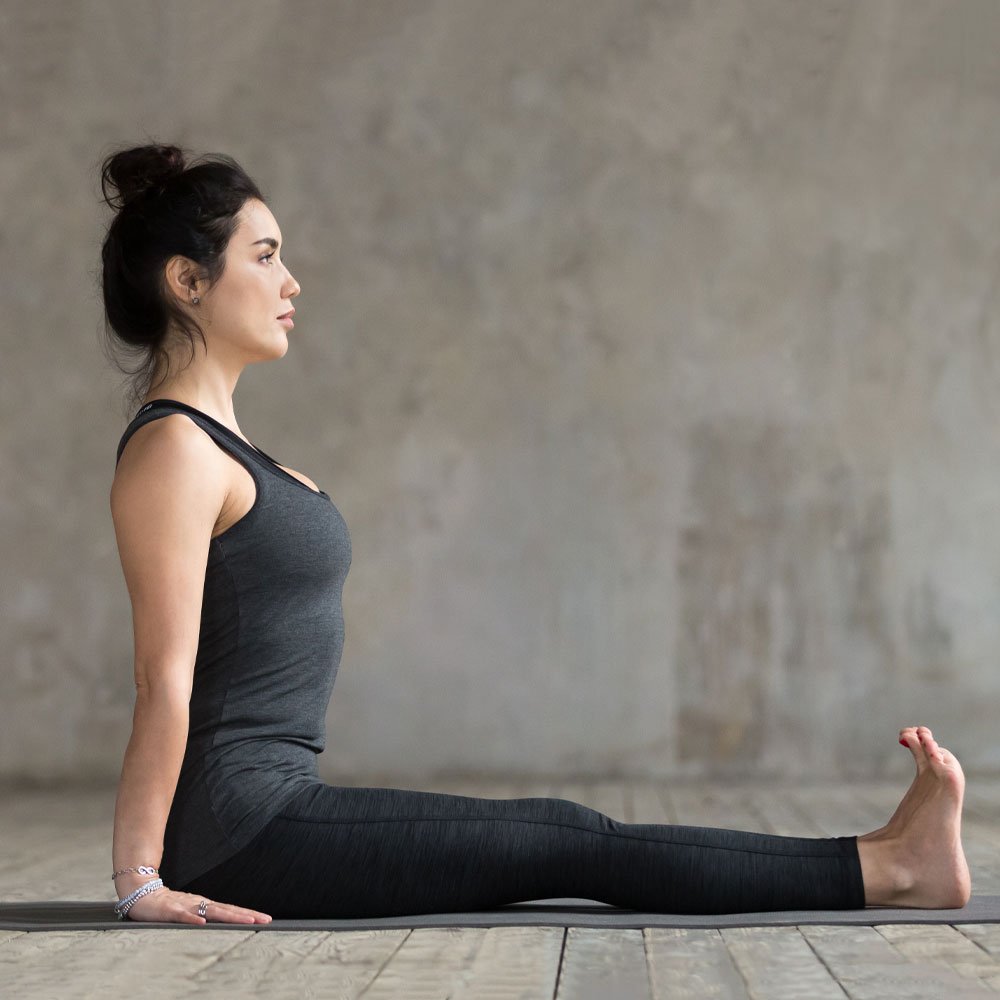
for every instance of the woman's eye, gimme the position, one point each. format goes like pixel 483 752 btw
pixel 267 256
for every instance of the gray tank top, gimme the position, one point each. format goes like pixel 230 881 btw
pixel 272 632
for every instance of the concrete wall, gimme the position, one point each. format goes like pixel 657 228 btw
pixel 650 350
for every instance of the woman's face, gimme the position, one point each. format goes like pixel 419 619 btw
pixel 241 312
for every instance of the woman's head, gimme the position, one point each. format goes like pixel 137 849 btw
pixel 166 208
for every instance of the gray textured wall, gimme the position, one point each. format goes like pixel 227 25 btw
pixel 648 348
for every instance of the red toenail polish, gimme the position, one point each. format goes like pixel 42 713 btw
pixel 903 743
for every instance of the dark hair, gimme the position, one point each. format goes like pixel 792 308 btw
pixel 164 206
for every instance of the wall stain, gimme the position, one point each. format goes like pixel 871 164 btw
pixel 780 569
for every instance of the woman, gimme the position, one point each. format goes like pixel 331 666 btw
pixel 235 565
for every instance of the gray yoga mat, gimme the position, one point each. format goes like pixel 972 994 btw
pixel 100 916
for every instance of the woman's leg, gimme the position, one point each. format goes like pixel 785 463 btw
pixel 355 852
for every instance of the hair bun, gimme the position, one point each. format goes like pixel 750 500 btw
pixel 131 173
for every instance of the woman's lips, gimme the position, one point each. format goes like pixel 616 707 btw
pixel 287 318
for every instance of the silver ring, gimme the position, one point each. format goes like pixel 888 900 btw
pixel 202 907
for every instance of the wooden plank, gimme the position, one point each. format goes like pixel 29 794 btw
pixel 845 946
pixel 536 789
pixel 61 874
pixel 479 788
pixel 292 965
pixel 985 936
pixel 868 967
pixel 81 806
pixel 943 945
pixel 514 962
pixel 432 963
pixel 31 844
pixel 600 963
pixel 277 958
pixel 982 802
pixel 23 951
pixel 723 807
pixel 608 797
pixel 883 796
pixel 605 797
pixel 778 963
pixel 838 810
pixel 777 813
pixel 57 844
pixel 99 964
pixel 647 803
pixel 200 962
pixel 691 964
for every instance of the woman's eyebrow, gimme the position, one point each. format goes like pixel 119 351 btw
pixel 269 240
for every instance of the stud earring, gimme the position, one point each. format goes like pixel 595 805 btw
pixel 195 300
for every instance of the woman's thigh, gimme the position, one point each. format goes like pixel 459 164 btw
pixel 346 851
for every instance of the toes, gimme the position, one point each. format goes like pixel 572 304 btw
pixel 910 740
pixel 936 755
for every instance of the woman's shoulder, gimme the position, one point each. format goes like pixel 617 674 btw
pixel 170 450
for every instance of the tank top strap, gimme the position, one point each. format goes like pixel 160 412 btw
pixel 229 440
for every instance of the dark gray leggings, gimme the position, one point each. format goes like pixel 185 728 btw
pixel 370 852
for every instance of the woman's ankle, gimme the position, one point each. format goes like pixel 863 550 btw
pixel 885 880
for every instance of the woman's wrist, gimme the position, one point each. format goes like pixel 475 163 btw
pixel 126 903
pixel 124 884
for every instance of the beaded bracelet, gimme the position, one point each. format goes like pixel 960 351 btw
pixel 124 905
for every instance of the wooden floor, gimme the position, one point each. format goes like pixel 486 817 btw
pixel 56 845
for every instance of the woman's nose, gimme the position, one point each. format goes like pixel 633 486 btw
pixel 295 288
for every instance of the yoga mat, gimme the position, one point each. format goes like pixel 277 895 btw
pixel 100 916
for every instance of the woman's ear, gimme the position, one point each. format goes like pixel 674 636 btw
pixel 181 276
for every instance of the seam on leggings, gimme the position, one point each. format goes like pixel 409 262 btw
pixel 567 826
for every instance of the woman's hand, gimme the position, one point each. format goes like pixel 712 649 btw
pixel 166 905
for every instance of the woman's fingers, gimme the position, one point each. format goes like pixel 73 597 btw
pixel 165 905
pixel 235 914
pixel 228 912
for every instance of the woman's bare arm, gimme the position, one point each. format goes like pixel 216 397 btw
pixel 168 490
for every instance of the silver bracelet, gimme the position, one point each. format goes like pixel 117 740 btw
pixel 124 905
pixel 142 870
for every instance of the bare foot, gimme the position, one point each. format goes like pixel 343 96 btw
pixel 916 859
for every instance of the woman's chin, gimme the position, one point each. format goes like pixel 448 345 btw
pixel 280 350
